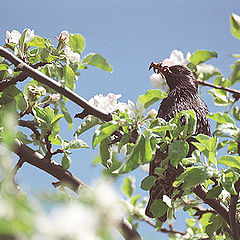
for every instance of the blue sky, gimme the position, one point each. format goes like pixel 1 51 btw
pixel 129 34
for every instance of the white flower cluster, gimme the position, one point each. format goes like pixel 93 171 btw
pixel 72 221
pixel 176 58
pixel 109 104
pixel 14 36
pixel 70 55
pixel 82 221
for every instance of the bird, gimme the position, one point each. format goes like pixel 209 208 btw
pixel 182 95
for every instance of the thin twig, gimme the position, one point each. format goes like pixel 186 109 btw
pixel 16 168
pixel 19 78
pixel 31 125
pixel 164 230
pixel 236 93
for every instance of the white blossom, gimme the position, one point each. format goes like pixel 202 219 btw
pixel 140 109
pixel 177 58
pixel 13 37
pixel 152 113
pixel 158 81
pixel 29 35
pixel 64 36
pixel 72 221
pixel 109 103
pixel 105 103
pixel 71 56
pixel 107 202
pixel 55 97
pixel 167 200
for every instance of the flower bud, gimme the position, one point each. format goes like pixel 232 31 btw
pixel 152 113
pixel 29 35
pixel 13 37
pixel 55 97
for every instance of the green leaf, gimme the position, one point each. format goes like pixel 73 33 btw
pixel 233 147
pixel 214 192
pixel 136 157
pixel 22 40
pixel 67 116
pixel 37 42
pixel 148 150
pixel 41 115
pixel 226 130
pixel 19 97
pixel 90 122
pixel 69 77
pixel 23 137
pixel 193 176
pixel 76 43
pixel 128 186
pixel 56 118
pixel 201 56
pixel 160 125
pixel 105 152
pixel 151 96
pixel 209 143
pixel 235 25
pixel 103 132
pixel 231 161
pixel 219 98
pixel 228 180
pixel 215 222
pixel 158 208
pixel 221 81
pixel 191 122
pixel 66 161
pixel 236 113
pixel 177 151
pixel 124 140
pixel 148 182
pixel 222 118
pixel 235 75
pixel 77 143
pixel 98 61
pixel 44 55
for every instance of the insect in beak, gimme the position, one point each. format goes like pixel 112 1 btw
pixel 159 68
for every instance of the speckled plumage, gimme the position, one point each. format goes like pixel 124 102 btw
pixel 183 95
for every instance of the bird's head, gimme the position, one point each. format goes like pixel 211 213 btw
pixel 176 76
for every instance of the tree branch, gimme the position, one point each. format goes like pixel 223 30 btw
pixel 36 159
pixel 19 78
pixel 31 125
pixel 232 216
pixel 235 93
pixel 42 78
pixel 217 206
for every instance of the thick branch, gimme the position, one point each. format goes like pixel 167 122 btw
pixel 42 78
pixel 36 159
pixel 232 216
pixel 217 206
pixel 236 93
